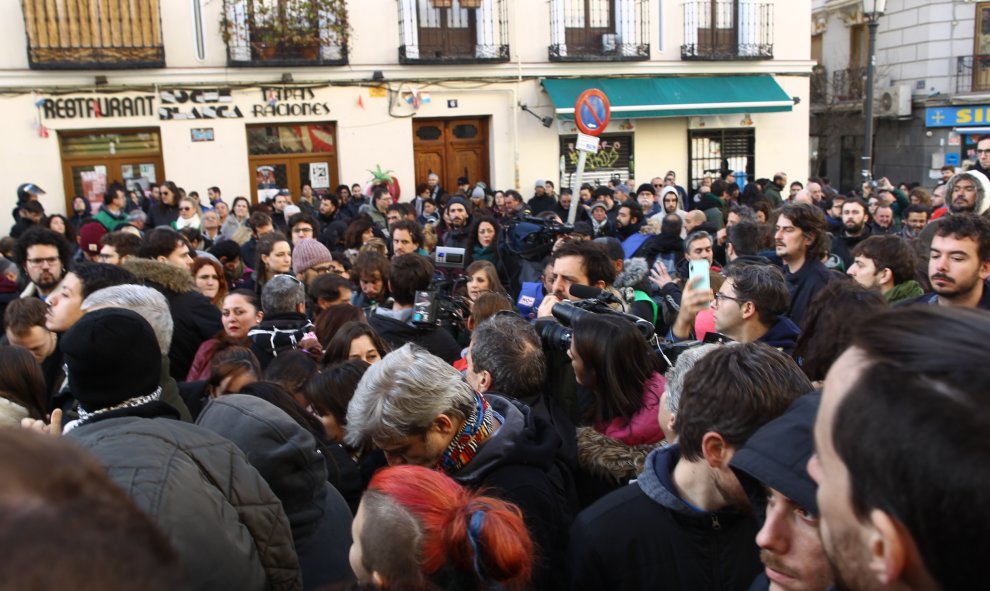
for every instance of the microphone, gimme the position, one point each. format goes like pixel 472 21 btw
pixel 589 292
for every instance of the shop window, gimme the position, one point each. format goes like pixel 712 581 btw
pixel 718 151
pixel 288 156
pixel 614 160
pixel 93 160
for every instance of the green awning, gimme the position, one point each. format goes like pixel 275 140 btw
pixel 640 98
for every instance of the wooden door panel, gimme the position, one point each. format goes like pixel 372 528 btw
pixel 451 148
pixel 468 162
pixel 427 162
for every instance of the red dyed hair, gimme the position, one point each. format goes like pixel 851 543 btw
pixel 445 509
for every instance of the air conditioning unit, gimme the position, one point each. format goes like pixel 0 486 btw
pixel 893 101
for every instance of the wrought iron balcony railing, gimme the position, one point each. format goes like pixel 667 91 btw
pixel 282 33
pixel 849 85
pixel 727 30
pixel 88 34
pixel 972 73
pixel 599 30
pixel 453 31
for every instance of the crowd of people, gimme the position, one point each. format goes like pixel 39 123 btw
pixel 747 384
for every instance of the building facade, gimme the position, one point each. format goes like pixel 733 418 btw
pixel 255 95
pixel 932 91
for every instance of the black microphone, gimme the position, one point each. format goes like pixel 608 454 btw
pixel 589 292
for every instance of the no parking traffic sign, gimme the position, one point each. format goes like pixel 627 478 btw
pixel 592 112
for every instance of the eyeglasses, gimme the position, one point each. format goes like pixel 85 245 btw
pixel 322 269
pixel 978 151
pixel 719 296
pixel 185 209
pixel 49 261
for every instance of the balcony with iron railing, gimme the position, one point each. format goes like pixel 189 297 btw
pixel 972 73
pixel 727 30
pixel 283 33
pixel 453 31
pixel 90 34
pixel 849 85
pixel 599 30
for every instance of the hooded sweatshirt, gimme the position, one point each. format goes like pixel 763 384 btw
pixel 286 456
pixel 982 203
pixel 645 536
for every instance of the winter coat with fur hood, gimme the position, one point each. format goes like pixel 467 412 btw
pixel 195 319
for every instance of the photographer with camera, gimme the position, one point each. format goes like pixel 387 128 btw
pixel 409 273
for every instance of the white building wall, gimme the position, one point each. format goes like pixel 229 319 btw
pixel 520 148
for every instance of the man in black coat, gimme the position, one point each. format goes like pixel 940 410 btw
pixel 433 418
pixel 164 265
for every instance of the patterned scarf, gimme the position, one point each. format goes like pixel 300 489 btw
pixel 477 428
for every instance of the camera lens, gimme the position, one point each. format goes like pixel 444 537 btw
pixel 554 335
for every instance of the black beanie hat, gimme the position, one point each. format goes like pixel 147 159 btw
pixel 647 188
pixel 112 355
pixel 461 200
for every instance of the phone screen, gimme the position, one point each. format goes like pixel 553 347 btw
pixel 700 269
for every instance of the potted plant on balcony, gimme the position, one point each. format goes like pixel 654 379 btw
pixel 287 28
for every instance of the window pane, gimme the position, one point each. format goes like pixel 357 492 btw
pixel 111 144
pixel 290 139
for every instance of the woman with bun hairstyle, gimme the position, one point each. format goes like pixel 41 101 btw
pixel 418 528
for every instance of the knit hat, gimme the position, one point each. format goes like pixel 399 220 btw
pixel 540 183
pixel 622 188
pixel 309 253
pixel 646 188
pixel 598 204
pixel 478 193
pixel 89 237
pixel 461 200
pixel 112 355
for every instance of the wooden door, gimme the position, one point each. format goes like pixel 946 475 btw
pixel 447 32
pixel 451 148
pixel 93 160
pixel 286 156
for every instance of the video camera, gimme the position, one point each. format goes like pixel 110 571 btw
pixel 532 238
pixel 437 305
pixel 558 332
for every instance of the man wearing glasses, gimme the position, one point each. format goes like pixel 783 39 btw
pixel 44 255
pixel 751 306
pixel 982 157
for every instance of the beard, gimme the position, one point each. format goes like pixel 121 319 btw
pixel 952 286
pixel 854 228
pixel 847 559
pixel 961 205
pixel 46 281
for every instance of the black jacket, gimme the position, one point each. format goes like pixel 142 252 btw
pixel 803 285
pixel 522 463
pixel 644 536
pixel 286 456
pixel 842 245
pixel 397 333
pixel 222 518
pixel 195 318
pixel 278 333
pixel 538 205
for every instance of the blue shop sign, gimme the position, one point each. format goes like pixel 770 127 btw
pixel 973 115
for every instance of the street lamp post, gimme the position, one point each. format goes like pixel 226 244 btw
pixel 872 11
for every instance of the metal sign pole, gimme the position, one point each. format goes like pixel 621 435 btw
pixel 576 198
